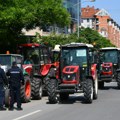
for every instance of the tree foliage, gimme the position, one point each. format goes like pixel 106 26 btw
pixel 87 35
pixel 18 14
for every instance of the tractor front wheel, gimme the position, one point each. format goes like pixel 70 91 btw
pixel 51 89
pixel 37 89
pixel 26 90
pixel 88 90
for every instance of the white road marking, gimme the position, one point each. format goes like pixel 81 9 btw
pixel 27 115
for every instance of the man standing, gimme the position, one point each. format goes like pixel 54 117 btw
pixel 15 81
pixel 3 81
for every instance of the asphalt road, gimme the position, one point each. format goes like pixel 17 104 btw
pixel 106 107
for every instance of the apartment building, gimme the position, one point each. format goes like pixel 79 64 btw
pixel 100 20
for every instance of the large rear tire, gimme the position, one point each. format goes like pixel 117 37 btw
pixel 37 89
pixel 88 90
pixel 51 89
pixel 26 90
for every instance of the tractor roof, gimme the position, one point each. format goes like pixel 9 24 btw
pixel 78 45
pixel 11 55
pixel 110 48
pixel 30 45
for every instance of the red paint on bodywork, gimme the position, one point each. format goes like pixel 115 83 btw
pixel 93 71
pixel 27 68
pixel 45 69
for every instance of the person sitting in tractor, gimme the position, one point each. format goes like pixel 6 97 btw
pixel 28 61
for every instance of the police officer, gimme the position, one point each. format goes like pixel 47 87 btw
pixel 15 81
pixel 3 81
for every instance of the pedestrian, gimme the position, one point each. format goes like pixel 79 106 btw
pixel 3 81
pixel 16 78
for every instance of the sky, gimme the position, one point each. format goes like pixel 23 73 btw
pixel 111 6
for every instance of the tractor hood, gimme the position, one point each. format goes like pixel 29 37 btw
pixel 70 75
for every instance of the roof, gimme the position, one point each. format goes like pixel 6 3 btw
pixel 78 45
pixel 30 45
pixel 89 12
pixel 10 55
pixel 109 48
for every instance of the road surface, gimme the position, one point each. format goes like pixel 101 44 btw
pixel 106 107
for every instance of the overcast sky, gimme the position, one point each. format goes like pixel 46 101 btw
pixel 111 6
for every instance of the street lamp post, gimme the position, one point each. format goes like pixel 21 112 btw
pixel 79 16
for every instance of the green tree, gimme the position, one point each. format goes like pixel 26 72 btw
pixel 18 14
pixel 87 35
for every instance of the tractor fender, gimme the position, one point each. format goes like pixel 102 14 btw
pixel 45 69
pixel 94 71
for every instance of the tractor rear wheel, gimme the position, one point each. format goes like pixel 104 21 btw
pixel 37 89
pixel 51 89
pixel 26 90
pixel 118 80
pixel 88 90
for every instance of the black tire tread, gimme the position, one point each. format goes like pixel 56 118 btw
pixel 87 90
pixel 36 84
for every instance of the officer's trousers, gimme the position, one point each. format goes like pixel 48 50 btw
pixel 15 96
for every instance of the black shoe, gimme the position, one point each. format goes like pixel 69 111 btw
pixel 2 108
pixel 19 108
pixel 11 108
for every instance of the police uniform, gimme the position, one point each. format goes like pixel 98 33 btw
pixel 3 81
pixel 15 81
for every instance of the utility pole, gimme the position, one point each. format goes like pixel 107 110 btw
pixel 79 14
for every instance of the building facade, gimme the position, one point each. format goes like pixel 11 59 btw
pixel 100 20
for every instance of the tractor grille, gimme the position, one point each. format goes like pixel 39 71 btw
pixel 106 69
pixel 69 77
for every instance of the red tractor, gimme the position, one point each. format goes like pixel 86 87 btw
pixel 109 65
pixel 77 73
pixel 39 68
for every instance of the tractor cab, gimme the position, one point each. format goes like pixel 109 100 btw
pixel 76 59
pixel 37 54
pixel 108 64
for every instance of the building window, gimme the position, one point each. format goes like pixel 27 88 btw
pixel 87 20
pixel 97 27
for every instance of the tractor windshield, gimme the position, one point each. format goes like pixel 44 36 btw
pixel 5 60
pixel 31 54
pixel 74 56
pixel 108 56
